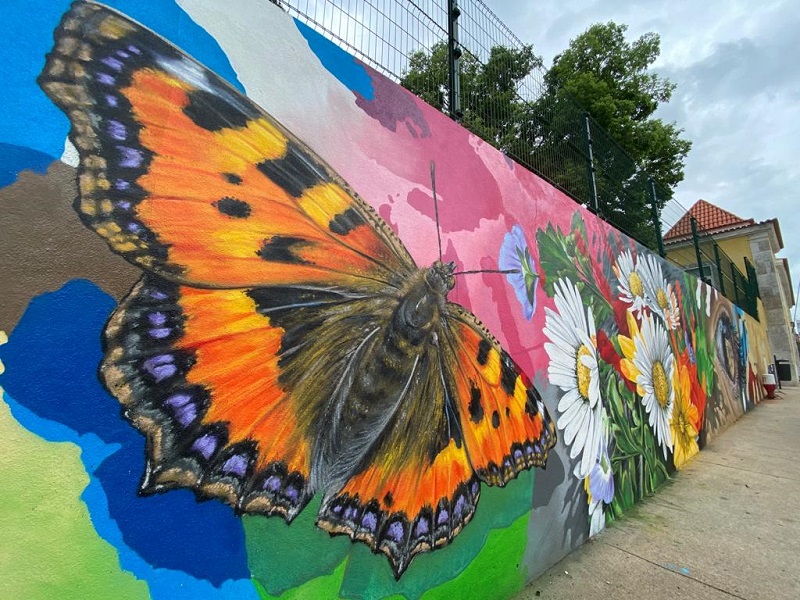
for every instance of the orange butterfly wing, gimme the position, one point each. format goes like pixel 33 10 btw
pixel 186 177
pixel 505 425
pixel 417 489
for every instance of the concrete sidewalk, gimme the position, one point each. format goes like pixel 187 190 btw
pixel 727 526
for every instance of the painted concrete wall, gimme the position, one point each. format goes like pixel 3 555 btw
pixel 637 365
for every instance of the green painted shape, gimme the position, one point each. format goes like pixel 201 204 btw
pixel 49 547
pixel 282 556
pixel 370 576
pixel 497 572
pixel 300 561
pixel 326 586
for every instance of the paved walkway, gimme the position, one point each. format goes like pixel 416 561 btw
pixel 727 526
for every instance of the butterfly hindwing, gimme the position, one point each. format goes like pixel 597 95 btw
pixel 505 424
pixel 415 489
pixel 186 177
pixel 186 364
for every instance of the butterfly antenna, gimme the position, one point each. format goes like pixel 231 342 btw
pixel 503 271
pixel 436 208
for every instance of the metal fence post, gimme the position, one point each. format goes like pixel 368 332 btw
pixel 697 250
pixel 719 269
pixel 591 171
pixel 453 56
pixel 656 219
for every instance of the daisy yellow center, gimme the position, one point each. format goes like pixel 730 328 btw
pixel 635 283
pixel 660 384
pixel 661 298
pixel 583 372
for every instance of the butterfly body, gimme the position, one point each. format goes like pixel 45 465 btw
pixel 282 341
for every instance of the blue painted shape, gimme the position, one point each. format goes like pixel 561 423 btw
pixel 52 357
pixel 339 63
pixel 29 119
pixel 171 541
pixel 14 159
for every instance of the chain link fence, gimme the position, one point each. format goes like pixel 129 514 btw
pixel 460 58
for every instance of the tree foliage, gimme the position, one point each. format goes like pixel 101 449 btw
pixel 489 99
pixel 600 74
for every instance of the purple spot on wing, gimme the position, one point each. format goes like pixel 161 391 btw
pixel 160 367
pixel 475 488
pixel 117 130
pixel 272 483
pixel 105 78
pixel 349 513
pixel 157 319
pixel 112 62
pixel 111 100
pixel 124 205
pixel 291 493
pixel 122 54
pixel 422 527
pixel 443 517
pixel 370 521
pixel 177 400
pixel 130 157
pixel 460 506
pixel 236 464
pixel 205 445
pixel 337 509
pixel 160 332
pixel 121 184
pixel 134 227
pixel 528 450
pixel 517 454
pixel 157 295
pixel 186 414
pixel 395 532
pixel 134 49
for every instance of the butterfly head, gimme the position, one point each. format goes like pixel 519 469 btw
pixel 440 277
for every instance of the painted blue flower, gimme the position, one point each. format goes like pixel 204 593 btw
pixel 601 477
pixel 515 256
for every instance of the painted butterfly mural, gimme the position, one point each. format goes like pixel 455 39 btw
pixel 281 342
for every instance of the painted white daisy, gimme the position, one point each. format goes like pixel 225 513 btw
pixel 654 366
pixel 631 287
pixel 658 293
pixel 573 368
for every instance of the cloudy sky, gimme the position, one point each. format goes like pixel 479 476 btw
pixel 735 64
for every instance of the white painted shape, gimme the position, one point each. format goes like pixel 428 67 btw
pixel 70 155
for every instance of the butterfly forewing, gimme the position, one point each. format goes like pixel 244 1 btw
pixel 186 177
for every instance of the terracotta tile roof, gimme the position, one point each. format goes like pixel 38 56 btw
pixel 710 218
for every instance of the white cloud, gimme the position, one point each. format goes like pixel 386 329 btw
pixel 738 95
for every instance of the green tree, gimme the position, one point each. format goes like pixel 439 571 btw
pixel 489 99
pixel 610 78
pixel 600 74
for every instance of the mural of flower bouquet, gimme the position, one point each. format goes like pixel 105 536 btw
pixel 628 356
